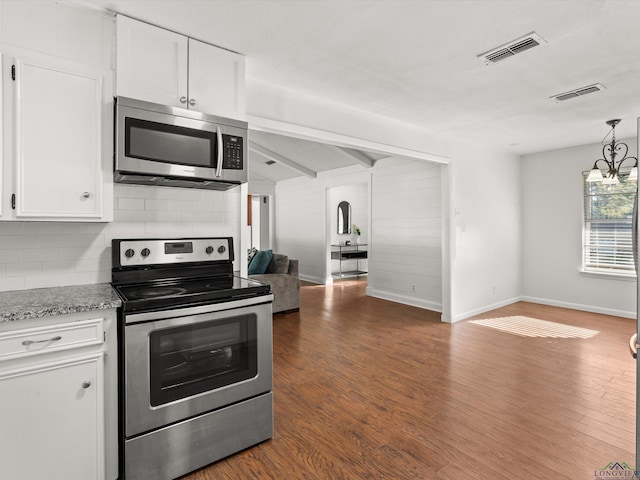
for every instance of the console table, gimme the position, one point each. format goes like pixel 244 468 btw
pixel 352 254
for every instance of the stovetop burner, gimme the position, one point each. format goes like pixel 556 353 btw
pixel 154 274
pixel 180 293
pixel 156 292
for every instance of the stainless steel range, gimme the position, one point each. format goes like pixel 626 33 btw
pixel 195 356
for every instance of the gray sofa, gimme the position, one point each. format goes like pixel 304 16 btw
pixel 284 286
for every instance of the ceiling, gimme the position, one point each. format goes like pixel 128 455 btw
pixel 417 62
pixel 294 157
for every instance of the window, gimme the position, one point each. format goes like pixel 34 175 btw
pixel 608 212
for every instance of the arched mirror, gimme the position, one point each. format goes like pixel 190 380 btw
pixel 344 217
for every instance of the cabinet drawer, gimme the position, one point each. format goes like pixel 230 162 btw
pixel 65 336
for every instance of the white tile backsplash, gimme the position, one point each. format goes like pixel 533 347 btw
pixel 24 268
pixel 11 255
pixel 130 203
pixel 161 205
pixel 23 241
pixel 48 254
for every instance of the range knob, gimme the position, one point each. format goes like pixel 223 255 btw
pixel 145 252
pixel 209 250
pixel 222 249
pixel 129 253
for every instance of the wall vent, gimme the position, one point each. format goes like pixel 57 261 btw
pixel 578 92
pixel 511 49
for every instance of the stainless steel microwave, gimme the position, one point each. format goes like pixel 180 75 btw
pixel 170 146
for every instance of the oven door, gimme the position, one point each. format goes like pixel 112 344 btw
pixel 185 362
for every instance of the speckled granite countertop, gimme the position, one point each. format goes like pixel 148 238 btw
pixel 46 302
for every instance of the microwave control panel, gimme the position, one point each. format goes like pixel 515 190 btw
pixel 232 156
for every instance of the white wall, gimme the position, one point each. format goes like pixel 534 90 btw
pixel 47 254
pixel 552 189
pixel 261 187
pixel 404 236
pixel 264 188
pixel 405 262
pixel 485 248
pixel 301 220
pixel 255 223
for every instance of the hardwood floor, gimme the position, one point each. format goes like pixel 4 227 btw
pixel 365 388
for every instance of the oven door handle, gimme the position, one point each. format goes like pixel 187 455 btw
pixel 212 307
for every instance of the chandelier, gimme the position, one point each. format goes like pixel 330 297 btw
pixel 609 153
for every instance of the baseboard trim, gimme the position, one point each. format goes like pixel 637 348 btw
pixel 578 306
pixel 486 308
pixel 308 278
pixel 437 307
pixel 414 302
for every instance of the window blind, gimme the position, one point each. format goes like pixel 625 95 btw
pixel 607 242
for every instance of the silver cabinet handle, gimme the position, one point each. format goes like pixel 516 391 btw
pixel 183 99
pixel 86 384
pixel 26 343
pixel 633 345
pixel 86 195
pixel 192 102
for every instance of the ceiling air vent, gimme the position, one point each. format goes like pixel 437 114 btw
pixel 512 48
pixel 578 92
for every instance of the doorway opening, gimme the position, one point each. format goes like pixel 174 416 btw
pixel 348 217
pixel 261 225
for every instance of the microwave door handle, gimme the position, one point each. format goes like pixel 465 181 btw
pixel 219 164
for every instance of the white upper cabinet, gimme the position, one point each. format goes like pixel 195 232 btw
pixel 151 63
pixel 57 112
pixel 216 80
pixel 61 108
pixel 164 67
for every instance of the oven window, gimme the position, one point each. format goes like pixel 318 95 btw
pixel 161 142
pixel 192 359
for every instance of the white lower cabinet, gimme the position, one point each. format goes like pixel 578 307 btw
pixel 52 419
pixel 58 399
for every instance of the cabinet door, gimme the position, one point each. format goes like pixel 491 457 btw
pixel 58 135
pixel 52 419
pixel 216 80
pixel 151 63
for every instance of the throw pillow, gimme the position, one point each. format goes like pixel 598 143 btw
pixel 260 262
pixel 279 264
pixel 250 254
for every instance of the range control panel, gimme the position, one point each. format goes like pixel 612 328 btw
pixel 154 251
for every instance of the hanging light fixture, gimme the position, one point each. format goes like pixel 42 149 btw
pixel 609 153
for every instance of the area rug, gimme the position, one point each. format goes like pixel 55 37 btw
pixel 534 327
